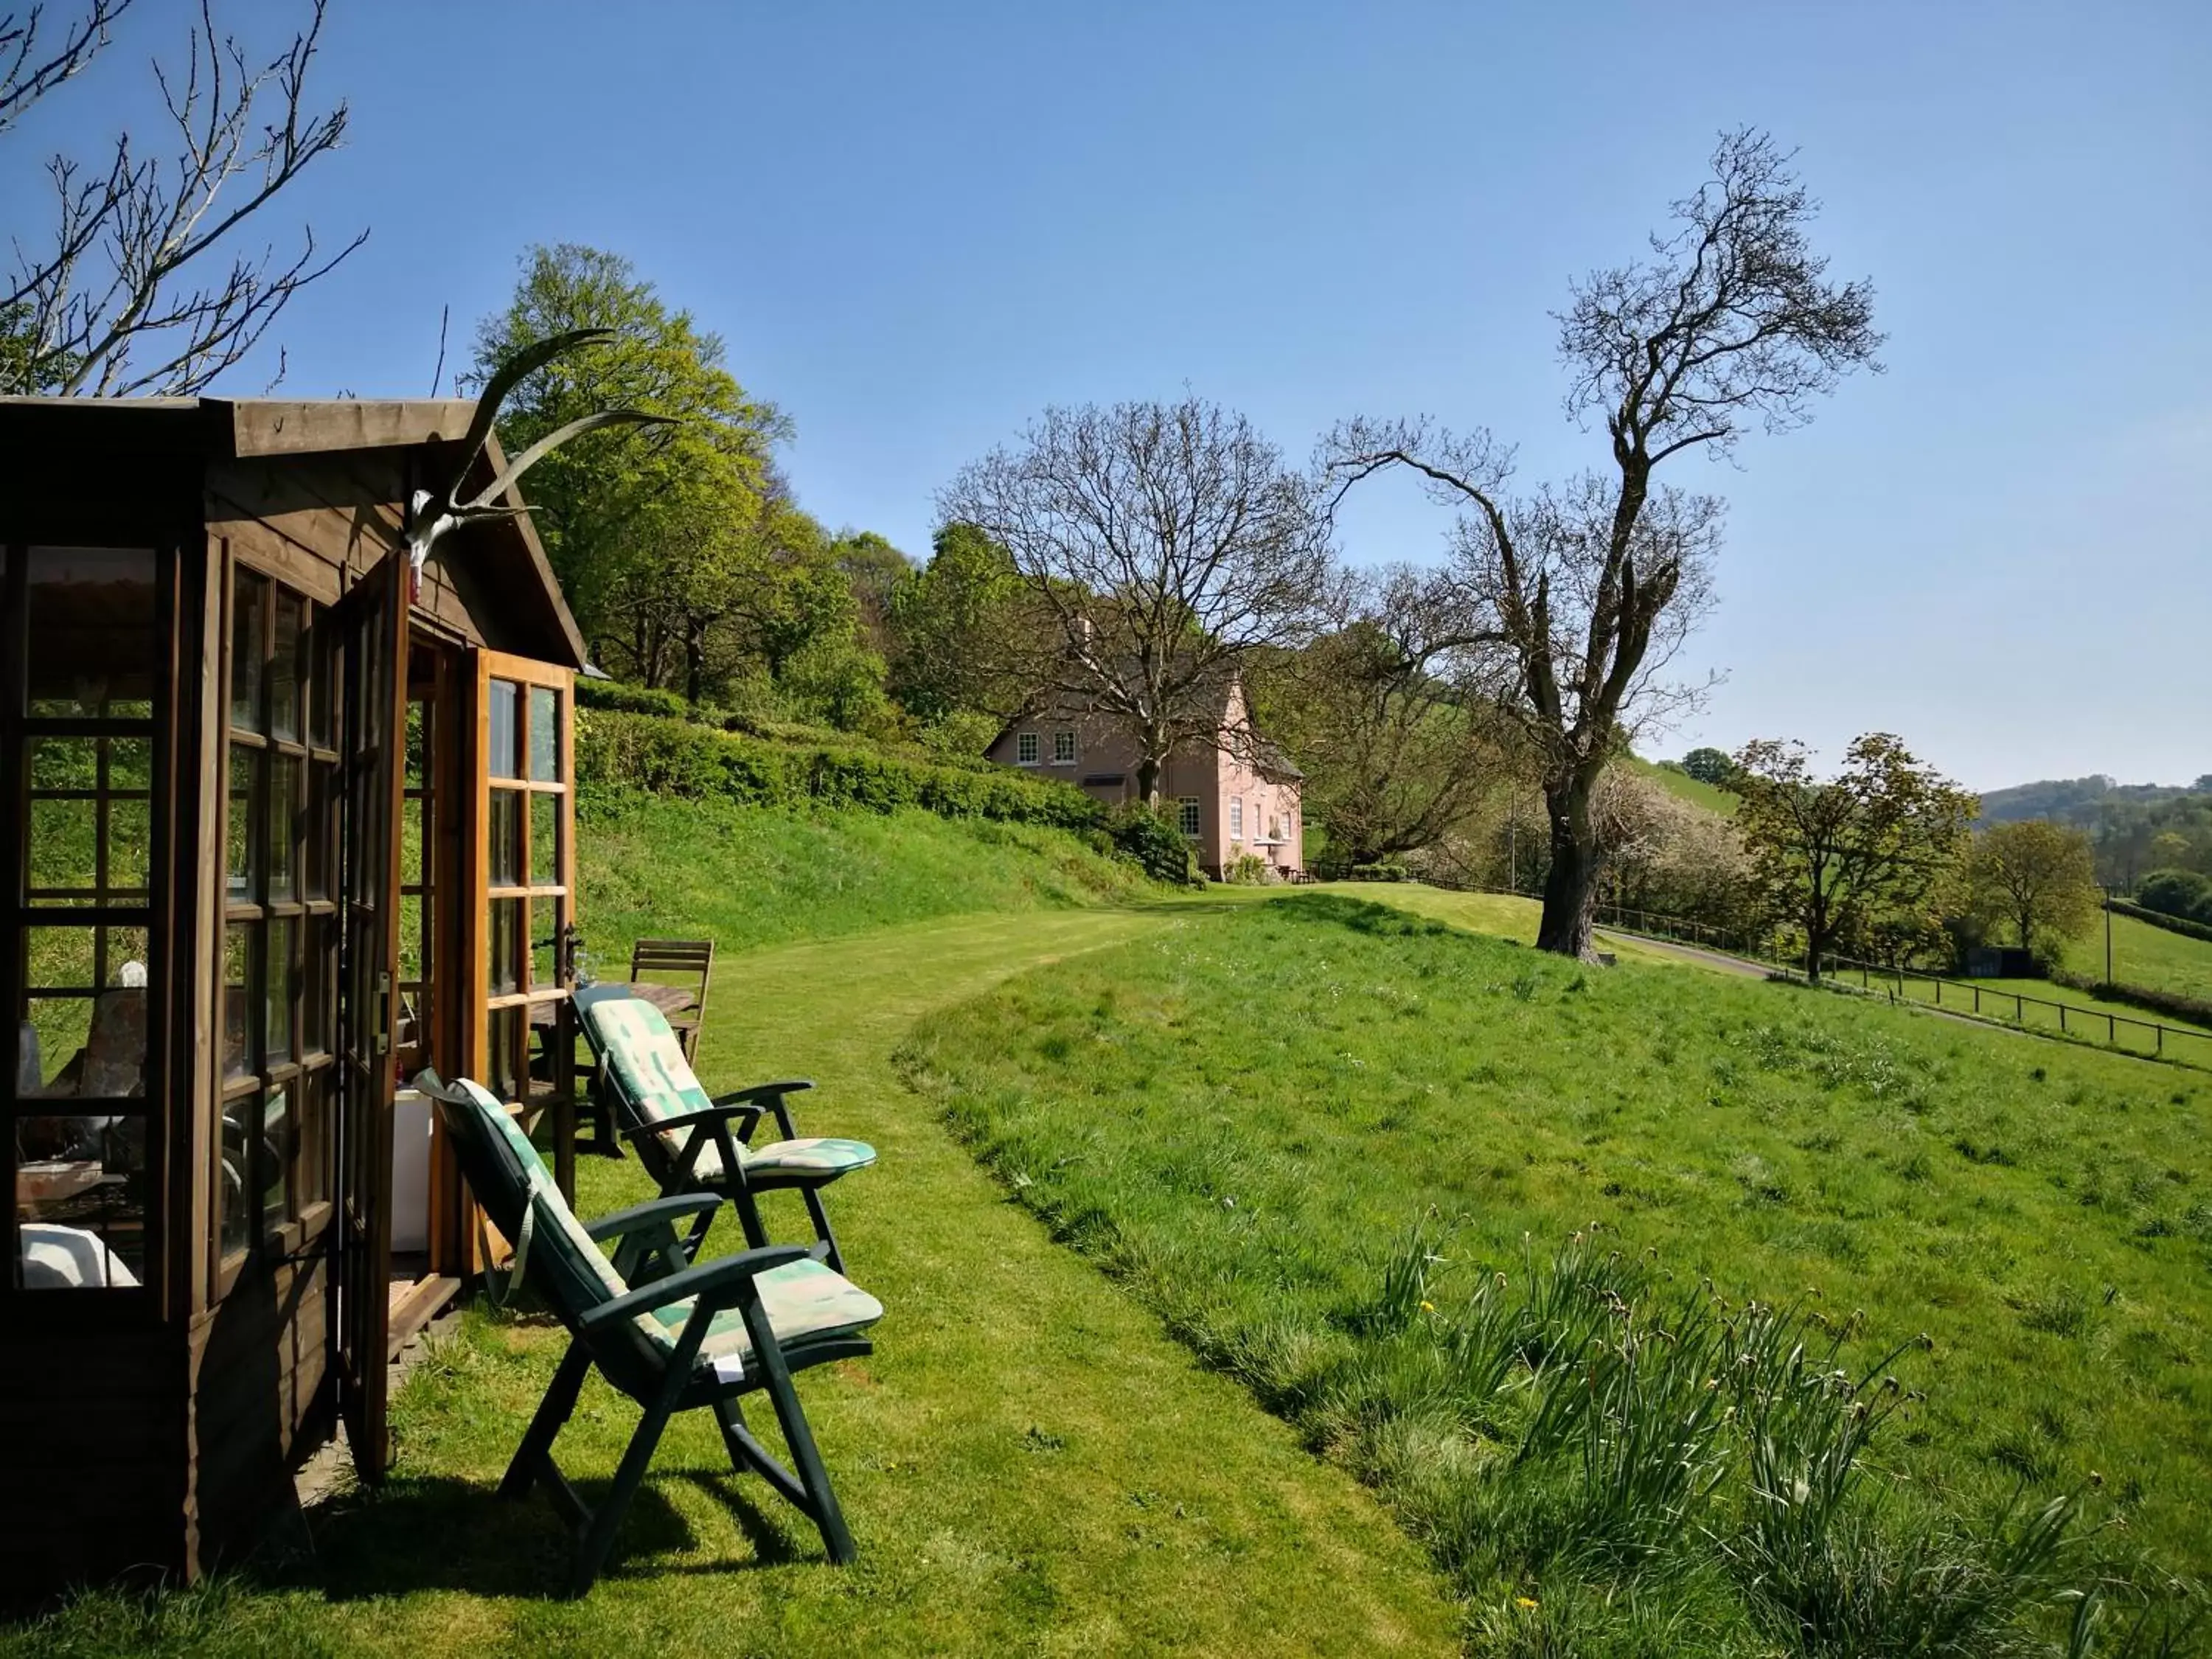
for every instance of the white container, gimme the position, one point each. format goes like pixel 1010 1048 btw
pixel 410 1171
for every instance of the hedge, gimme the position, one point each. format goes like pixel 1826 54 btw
pixel 663 756
pixel 2159 919
pixel 2171 1004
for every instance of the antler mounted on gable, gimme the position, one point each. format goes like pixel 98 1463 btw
pixel 431 513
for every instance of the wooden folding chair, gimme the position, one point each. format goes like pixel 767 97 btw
pixel 688 963
pixel 671 1334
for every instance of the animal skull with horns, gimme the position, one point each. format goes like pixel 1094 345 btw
pixel 431 513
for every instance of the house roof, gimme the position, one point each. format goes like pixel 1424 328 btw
pixel 511 559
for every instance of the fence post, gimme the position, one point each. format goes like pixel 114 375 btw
pixel 2062 1020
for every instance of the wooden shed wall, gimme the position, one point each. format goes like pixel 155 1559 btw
pixel 94 1425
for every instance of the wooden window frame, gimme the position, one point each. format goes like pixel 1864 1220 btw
pixel 1025 749
pixel 152 1108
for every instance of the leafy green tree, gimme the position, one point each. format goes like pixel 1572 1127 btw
pixel 874 569
pixel 2036 878
pixel 635 522
pixel 2181 893
pixel 965 633
pixel 1856 857
pixel 1711 766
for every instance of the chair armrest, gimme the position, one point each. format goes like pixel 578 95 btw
pixel 706 1116
pixel 770 1095
pixel 717 1284
pixel 653 1213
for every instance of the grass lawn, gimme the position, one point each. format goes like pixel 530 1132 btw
pixel 1335 1149
pixel 1683 786
pixel 1029 1464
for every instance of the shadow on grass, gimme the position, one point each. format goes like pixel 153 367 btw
pixel 444 1534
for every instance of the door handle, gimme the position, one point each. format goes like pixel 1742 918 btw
pixel 383 1014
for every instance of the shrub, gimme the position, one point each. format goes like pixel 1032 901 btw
pixel 2181 893
pixel 1155 840
pixel 631 699
pixel 1381 870
pixel 675 757
pixel 1249 869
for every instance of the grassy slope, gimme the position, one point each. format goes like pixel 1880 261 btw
pixel 2045 1213
pixel 1030 1466
pixel 2147 956
pixel 749 877
pixel 1683 786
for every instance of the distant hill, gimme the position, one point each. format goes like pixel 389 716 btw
pixel 2080 801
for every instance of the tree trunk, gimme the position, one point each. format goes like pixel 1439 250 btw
pixel 695 661
pixel 1148 781
pixel 1571 889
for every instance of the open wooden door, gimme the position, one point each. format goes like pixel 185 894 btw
pixel 371 625
pixel 523 898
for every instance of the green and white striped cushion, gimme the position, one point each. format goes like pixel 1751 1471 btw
pixel 805 1301
pixel 649 1065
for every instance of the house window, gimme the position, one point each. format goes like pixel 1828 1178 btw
pixel 1187 814
pixel 1025 749
pixel 1237 818
pixel 278 952
pixel 1063 749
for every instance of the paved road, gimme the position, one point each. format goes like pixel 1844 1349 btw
pixel 1704 959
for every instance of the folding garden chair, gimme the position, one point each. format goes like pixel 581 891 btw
pixel 683 963
pixel 673 1335
pixel 685 1139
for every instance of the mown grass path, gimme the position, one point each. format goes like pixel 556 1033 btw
pixel 1031 1464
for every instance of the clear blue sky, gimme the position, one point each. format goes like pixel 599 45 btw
pixel 916 226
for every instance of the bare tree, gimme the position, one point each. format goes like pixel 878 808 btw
pixel 1167 544
pixel 1390 714
pixel 112 303
pixel 1588 590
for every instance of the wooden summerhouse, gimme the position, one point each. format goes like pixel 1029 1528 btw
pixel 280 830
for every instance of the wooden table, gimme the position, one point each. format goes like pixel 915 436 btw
pixel 670 999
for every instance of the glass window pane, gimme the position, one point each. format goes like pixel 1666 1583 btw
pixel 310 1183
pixel 318 970
pixel 249 606
pixel 505 955
pixel 238 1056
pixel 130 850
pixel 277 1027
pixel 284 666
pixel 242 859
pixel 504 836
pixel 319 653
pixel 508 1030
pixel 283 822
pixel 320 830
pixel 87 1011
pixel 233 1170
pixel 418 742
pixel 93 642
pixel 80 1201
pixel 544 941
pixel 544 842
pixel 503 761
pixel 276 1150
pixel 63 852
pixel 545 735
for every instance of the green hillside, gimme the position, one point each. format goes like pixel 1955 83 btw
pixel 1681 784
pixel 2147 955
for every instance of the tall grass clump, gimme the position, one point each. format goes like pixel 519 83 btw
pixel 1595 1450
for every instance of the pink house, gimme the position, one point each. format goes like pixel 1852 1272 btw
pixel 1236 795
